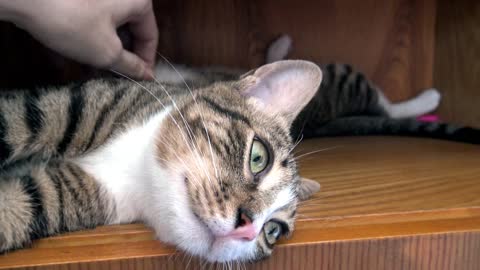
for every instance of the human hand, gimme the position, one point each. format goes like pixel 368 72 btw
pixel 85 30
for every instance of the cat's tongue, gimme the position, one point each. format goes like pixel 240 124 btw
pixel 246 232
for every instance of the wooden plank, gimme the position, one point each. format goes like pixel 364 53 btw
pixel 456 61
pixel 385 203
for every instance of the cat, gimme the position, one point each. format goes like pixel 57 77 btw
pixel 206 161
pixel 211 171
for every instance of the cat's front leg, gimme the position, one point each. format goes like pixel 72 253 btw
pixel 48 199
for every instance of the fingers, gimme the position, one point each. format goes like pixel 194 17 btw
pixel 131 65
pixel 145 35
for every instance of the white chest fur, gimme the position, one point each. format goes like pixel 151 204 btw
pixel 123 167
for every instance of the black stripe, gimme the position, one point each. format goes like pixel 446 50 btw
pixel 34 115
pixel 139 102
pixel 359 79
pixel 76 200
pixel 58 187
pixel 74 115
pixel 348 68
pixel 234 139
pixel 88 204
pixel 103 116
pixel 5 148
pixel 343 80
pixel 331 73
pixel 39 224
pixel 465 134
pixel 232 114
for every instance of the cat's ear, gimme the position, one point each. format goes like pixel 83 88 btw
pixel 307 188
pixel 283 87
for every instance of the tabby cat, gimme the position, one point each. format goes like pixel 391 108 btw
pixel 207 164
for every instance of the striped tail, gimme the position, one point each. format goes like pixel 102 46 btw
pixel 380 125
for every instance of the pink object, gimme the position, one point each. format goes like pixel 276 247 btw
pixel 429 118
pixel 245 232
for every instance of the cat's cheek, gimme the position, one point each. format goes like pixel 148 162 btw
pixel 172 217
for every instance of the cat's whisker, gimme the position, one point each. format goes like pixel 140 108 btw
pixel 163 105
pixel 299 139
pixel 185 166
pixel 189 261
pixel 203 263
pixel 201 115
pixel 190 133
pixel 316 151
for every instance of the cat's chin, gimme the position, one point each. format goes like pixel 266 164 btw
pixel 225 250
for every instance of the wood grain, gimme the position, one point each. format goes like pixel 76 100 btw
pixel 385 203
pixel 456 61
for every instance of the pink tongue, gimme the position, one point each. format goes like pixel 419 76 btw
pixel 246 232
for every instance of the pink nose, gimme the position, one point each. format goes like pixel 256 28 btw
pixel 245 232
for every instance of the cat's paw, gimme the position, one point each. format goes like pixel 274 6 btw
pixel 429 99
pixel 279 49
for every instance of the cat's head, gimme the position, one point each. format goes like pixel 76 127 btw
pixel 232 182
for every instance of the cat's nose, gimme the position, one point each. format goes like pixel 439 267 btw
pixel 243 218
pixel 244 228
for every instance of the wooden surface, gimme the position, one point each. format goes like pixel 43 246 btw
pixel 457 67
pixel 385 203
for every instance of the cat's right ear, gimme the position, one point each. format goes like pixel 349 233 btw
pixel 282 88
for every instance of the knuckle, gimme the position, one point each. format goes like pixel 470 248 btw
pixel 110 55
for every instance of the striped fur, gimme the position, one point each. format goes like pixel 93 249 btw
pixel 41 191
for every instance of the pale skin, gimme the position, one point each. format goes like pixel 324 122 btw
pixel 85 30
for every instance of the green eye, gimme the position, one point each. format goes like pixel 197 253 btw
pixel 258 157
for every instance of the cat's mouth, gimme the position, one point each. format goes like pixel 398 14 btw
pixel 210 235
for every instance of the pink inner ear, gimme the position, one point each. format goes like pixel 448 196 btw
pixel 284 87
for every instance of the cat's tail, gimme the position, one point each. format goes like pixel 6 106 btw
pixel 380 125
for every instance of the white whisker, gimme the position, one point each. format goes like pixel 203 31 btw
pixel 192 137
pixel 163 105
pixel 201 115
pixel 299 139
pixel 317 151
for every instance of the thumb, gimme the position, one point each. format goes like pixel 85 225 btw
pixel 131 65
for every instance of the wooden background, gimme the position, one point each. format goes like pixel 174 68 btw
pixel 404 46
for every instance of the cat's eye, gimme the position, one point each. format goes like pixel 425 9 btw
pixel 272 231
pixel 258 157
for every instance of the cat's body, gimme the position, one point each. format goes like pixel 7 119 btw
pixel 206 162
pixel 210 170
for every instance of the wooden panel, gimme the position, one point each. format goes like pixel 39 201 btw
pixel 391 41
pixel 457 67
pixel 385 203
pixel 452 251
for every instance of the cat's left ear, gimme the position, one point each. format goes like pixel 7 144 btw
pixel 282 88
pixel 307 188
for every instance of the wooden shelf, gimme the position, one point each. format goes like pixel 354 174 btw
pixel 385 203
